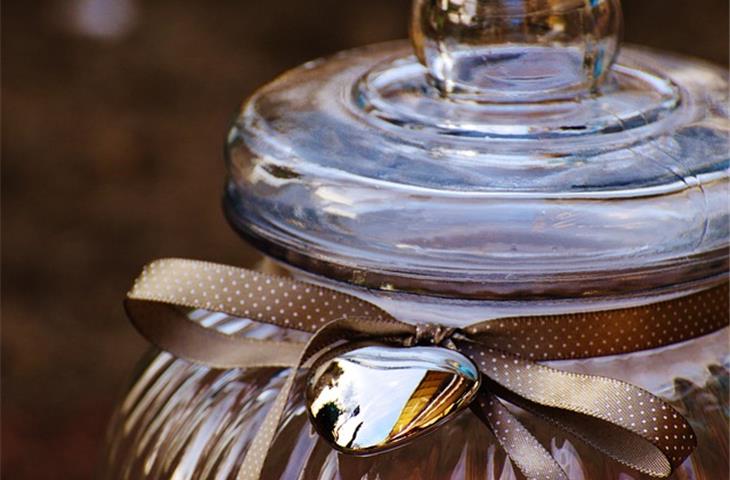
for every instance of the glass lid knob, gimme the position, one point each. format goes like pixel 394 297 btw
pixel 516 50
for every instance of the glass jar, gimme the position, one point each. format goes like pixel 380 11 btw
pixel 509 167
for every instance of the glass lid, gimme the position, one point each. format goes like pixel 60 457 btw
pixel 515 153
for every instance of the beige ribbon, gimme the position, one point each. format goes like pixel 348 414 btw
pixel 622 421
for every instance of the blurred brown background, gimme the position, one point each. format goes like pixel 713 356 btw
pixel 114 114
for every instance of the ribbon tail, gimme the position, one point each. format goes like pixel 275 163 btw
pixel 523 449
pixel 623 421
pixel 255 457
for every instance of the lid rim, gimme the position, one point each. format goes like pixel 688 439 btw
pixel 473 285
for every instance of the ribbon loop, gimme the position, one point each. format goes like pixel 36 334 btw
pixel 244 293
pixel 623 421
pixel 530 457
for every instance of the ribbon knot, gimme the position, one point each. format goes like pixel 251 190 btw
pixel 618 419
pixel 430 334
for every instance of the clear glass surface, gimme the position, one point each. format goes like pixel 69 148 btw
pixel 517 164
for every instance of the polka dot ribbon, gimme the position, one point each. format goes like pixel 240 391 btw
pixel 620 420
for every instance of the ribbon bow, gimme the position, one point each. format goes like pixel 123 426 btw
pixel 622 421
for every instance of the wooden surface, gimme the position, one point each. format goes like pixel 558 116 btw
pixel 114 115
